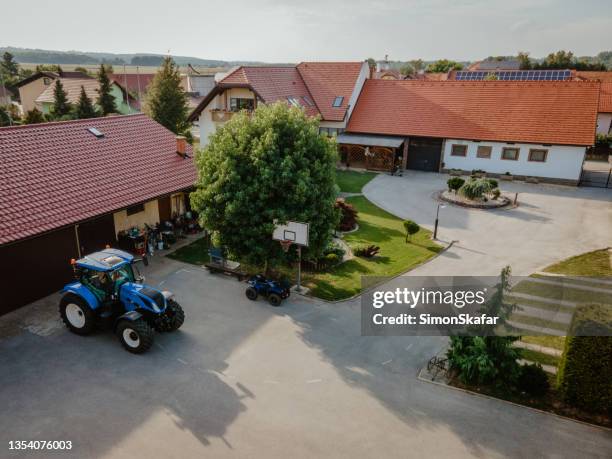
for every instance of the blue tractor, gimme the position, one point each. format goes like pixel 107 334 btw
pixel 109 290
pixel 275 291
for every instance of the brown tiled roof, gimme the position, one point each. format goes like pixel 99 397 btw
pixel 328 80
pixel 533 112
pixel 605 98
pixel 597 76
pixel 72 86
pixel 273 84
pixel 57 174
pixel 133 81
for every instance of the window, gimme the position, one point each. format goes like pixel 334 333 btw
pixel 459 150
pixel 135 209
pixel 511 154
pixel 308 101
pixel 338 101
pixel 237 104
pixel 538 155
pixel 483 151
pixel 293 101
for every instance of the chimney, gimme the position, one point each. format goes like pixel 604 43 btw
pixel 181 146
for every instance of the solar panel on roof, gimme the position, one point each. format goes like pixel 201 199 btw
pixel 517 75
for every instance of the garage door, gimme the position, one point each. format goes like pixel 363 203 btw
pixel 35 268
pixel 424 154
pixel 97 234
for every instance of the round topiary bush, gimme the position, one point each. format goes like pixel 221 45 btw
pixel 533 380
pixel 454 183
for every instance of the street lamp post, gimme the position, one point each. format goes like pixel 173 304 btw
pixel 440 205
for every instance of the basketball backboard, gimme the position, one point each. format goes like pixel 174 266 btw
pixel 296 232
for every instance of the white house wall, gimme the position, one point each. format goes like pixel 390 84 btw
pixel 562 162
pixel 604 123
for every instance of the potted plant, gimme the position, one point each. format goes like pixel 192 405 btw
pixel 455 172
pixel 478 173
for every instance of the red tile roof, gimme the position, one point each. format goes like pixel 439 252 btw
pixel 57 174
pixel 273 84
pixel 328 80
pixel 597 76
pixel 562 113
pixel 605 98
pixel 319 82
pixel 133 81
pixel 72 86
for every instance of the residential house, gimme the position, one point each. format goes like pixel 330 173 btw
pixel 34 85
pixel 68 188
pixel 535 129
pixel 495 64
pixel 604 112
pixel 325 89
pixel 123 102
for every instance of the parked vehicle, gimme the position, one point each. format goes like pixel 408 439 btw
pixel 109 291
pixel 275 291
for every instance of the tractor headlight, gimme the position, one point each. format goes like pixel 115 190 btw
pixel 168 295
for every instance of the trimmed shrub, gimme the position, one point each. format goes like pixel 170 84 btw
pixel 411 228
pixel 475 188
pixel 454 183
pixel 493 182
pixel 533 380
pixel 585 370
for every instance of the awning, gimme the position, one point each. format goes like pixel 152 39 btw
pixel 370 140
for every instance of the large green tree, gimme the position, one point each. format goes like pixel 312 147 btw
pixel 166 99
pixel 8 66
pixel 61 107
pixel 84 107
pixel 105 100
pixel 271 165
pixel 443 66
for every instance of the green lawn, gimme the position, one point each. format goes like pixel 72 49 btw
pixel 380 228
pixel 554 342
pixel 195 253
pixel 596 263
pixel 353 181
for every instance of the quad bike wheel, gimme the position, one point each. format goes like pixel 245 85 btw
pixel 251 293
pixel 77 315
pixel 136 336
pixel 177 315
pixel 275 300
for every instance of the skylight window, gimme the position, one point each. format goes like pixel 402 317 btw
pixel 293 101
pixel 308 101
pixel 95 132
pixel 338 101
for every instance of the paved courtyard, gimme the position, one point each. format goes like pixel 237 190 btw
pixel 551 223
pixel 244 379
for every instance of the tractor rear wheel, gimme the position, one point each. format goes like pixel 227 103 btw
pixel 136 336
pixel 177 315
pixel 77 315
pixel 251 293
pixel 275 300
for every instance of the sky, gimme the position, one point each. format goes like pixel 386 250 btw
pixel 293 31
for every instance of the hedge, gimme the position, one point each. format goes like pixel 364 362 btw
pixel 585 370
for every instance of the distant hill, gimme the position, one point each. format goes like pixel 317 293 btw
pixel 44 56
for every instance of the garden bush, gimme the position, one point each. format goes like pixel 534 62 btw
pixel 585 370
pixel 348 215
pixel 495 194
pixel 493 182
pixel 533 380
pixel 368 251
pixel 475 188
pixel 454 183
pixel 411 228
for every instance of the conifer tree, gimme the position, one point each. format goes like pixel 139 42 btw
pixel 84 107
pixel 105 100
pixel 61 107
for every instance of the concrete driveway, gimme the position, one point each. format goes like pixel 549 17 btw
pixel 243 379
pixel 550 223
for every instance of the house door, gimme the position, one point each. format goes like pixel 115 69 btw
pixel 165 212
pixel 424 154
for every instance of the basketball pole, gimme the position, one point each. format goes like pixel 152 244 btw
pixel 299 273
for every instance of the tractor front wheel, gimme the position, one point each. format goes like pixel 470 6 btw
pixel 177 315
pixel 251 293
pixel 77 315
pixel 275 300
pixel 136 336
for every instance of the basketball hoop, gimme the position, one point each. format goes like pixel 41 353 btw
pixel 285 245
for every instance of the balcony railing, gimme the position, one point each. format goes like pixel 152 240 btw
pixel 221 116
